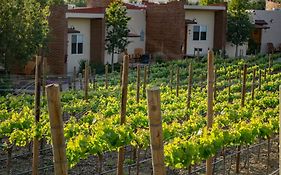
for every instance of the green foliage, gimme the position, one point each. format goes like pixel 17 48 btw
pixel 78 3
pixel 116 28
pixel 257 5
pixel 208 2
pixel 23 29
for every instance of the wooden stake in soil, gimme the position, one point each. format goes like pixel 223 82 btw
pixel 58 140
pixel 86 85
pixel 253 84
pixel 210 111
pixel 229 88
pixel 74 78
pixel 260 80
pixel 243 92
pixel 35 160
pixel 189 85
pixel 269 63
pixel 106 76
pixel 121 153
pixel 155 128
pixel 144 80
pixel 44 65
pixel 94 79
pixel 279 129
pixel 138 84
pixel 178 81
pixel 171 78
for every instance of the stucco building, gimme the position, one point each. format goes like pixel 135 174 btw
pixel 172 30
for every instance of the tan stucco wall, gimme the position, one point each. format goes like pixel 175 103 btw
pixel 82 25
pixel 205 18
pixel 273 34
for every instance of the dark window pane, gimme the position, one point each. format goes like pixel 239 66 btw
pixel 195 35
pixel 196 28
pixel 74 39
pixel 73 48
pixel 203 36
pixel 80 48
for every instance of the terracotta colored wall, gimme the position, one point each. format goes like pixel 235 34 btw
pixel 97 41
pixel 270 5
pixel 57 46
pixel 97 3
pixel 165 27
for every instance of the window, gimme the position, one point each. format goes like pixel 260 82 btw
pixel 199 33
pixel 77 44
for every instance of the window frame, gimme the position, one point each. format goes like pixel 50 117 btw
pixel 79 44
pixel 199 33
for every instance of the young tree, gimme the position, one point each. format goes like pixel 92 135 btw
pixel 238 23
pixel 116 29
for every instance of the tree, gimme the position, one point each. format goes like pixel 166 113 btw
pixel 23 29
pixel 116 29
pixel 238 23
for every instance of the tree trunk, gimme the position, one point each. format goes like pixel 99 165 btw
pixel 236 51
pixel 112 62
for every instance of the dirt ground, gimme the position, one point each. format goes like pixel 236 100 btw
pixel 258 159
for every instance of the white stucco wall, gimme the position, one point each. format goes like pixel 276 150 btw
pixel 137 24
pixel 204 18
pixel 272 35
pixel 231 49
pixel 82 25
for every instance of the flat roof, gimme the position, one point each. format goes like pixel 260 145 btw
pixel 84 15
pixel 198 7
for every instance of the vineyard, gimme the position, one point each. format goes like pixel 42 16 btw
pixel 245 115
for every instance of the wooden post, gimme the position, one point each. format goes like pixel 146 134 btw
pixel 269 63
pixel 81 79
pixel 178 81
pixel 210 111
pixel 265 74
pixel 106 76
pixel 189 85
pixel 86 77
pixel 155 128
pixel 253 84
pixel 229 88
pixel 121 70
pixel 94 79
pixel 260 80
pixel 35 160
pixel 279 129
pixel 74 78
pixel 138 83
pixel 171 78
pixel 144 80
pixel 121 153
pixel 58 140
pixel 243 92
pixel 44 65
